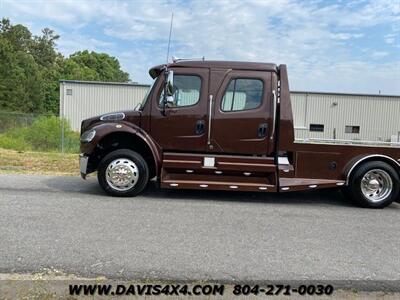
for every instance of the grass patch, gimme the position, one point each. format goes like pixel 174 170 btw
pixel 44 134
pixel 51 163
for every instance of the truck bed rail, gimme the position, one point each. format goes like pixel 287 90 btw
pixel 348 142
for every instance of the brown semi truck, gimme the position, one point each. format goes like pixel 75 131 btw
pixel 219 125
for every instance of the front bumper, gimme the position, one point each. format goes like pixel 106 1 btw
pixel 83 163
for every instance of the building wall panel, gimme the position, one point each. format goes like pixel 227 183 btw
pixel 377 116
pixel 88 100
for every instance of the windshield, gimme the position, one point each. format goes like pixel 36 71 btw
pixel 146 96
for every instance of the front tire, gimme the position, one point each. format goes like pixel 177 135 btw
pixel 374 184
pixel 123 173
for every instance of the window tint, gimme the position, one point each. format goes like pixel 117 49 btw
pixel 186 91
pixel 242 94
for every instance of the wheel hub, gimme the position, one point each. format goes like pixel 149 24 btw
pixel 373 185
pixel 122 174
pixel 376 185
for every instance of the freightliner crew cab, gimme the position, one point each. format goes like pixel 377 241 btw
pixel 219 125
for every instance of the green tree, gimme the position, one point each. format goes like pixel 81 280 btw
pixel 31 67
pixel 21 81
pixel 18 35
pixel 43 48
pixel 51 76
pixel 87 65
pixel 75 71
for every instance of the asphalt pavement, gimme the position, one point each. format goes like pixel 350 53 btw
pixel 69 224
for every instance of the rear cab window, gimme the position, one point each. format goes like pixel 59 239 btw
pixel 242 94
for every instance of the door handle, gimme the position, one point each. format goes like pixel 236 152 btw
pixel 199 127
pixel 262 130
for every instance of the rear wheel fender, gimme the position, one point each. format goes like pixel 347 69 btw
pixel 358 161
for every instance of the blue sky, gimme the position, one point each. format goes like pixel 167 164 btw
pixel 340 46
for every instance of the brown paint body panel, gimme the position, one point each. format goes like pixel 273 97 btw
pixel 237 131
pixel 222 162
pixel 286 126
pixel 176 130
pixel 319 160
pixel 301 184
pixel 209 64
pixel 217 185
pixel 241 160
pixel 191 171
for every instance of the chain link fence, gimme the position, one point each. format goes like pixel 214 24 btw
pixel 37 132
pixel 12 120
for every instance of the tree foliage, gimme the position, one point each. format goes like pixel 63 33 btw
pixel 31 67
pixel 97 66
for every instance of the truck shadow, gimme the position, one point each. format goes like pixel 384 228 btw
pixel 90 187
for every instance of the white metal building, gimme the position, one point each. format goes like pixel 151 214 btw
pixel 346 116
pixel 316 115
pixel 80 100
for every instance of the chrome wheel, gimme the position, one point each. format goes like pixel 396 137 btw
pixel 376 185
pixel 122 174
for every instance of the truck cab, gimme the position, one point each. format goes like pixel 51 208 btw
pixel 222 125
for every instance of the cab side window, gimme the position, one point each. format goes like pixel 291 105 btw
pixel 186 91
pixel 242 94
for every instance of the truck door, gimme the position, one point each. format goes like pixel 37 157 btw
pixel 241 119
pixel 183 127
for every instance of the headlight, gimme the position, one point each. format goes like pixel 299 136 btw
pixel 88 136
pixel 113 117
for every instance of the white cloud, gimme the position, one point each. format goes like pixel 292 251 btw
pixel 391 38
pixel 379 54
pixel 79 43
pixel 349 76
pixel 346 36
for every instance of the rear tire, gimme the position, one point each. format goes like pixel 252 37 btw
pixel 374 184
pixel 123 173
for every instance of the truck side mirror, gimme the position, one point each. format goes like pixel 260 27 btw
pixel 169 85
pixel 170 99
